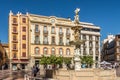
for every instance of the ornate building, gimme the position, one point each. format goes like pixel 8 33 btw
pixel 31 36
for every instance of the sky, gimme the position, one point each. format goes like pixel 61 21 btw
pixel 103 13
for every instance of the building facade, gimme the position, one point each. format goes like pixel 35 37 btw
pixel 31 36
pixel 111 49
pixel 3 55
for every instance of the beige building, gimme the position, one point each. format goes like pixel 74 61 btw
pixel 31 36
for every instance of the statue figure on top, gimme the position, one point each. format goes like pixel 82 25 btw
pixel 76 15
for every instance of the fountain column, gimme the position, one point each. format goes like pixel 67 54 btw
pixel 77 40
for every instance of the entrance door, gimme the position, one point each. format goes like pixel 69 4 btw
pixel 37 62
pixel 23 66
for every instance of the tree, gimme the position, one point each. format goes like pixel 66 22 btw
pixel 53 60
pixel 88 60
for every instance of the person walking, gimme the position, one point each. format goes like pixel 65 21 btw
pixel 34 71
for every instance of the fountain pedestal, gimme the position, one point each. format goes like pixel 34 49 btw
pixel 77 59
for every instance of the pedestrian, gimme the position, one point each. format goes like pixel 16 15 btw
pixel 34 71
pixel 37 69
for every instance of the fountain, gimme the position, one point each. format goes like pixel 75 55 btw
pixel 77 42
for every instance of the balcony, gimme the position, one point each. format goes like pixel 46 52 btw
pixel 84 46
pixel 53 32
pixel 60 33
pixel 36 42
pixel 15 23
pixel 37 32
pixel 15 41
pixel 14 32
pixel 45 43
pixel 14 49
pixel 68 35
pixel 53 43
pixel 61 43
pixel 90 39
pixel 45 32
pixel 90 46
pixel 97 52
pixel 68 44
pixel 91 53
pixel 97 45
pixel 84 53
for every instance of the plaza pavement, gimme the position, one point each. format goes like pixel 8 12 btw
pixel 19 75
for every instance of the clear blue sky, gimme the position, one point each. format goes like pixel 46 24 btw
pixel 103 13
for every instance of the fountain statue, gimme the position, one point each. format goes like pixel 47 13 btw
pixel 77 42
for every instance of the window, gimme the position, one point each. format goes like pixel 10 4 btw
pixel 67 31
pixel 118 43
pixel 67 42
pixel 90 44
pixel 90 51
pixel 45 50
pixel 14 55
pixel 24 20
pixel 14 20
pixel 37 50
pixel 97 38
pixel 14 37
pixel 84 51
pixel 14 46
pixel 67 51
pixel 53 29
pixel 24 37
pixel 97 51
pixel 14 29
pixel 36 28
pixel 60 30
pixel 45 40
pixel 60 51
pixel 118 50
pixel 24 29
pixel 23 54
pixel 84 37
pixel 97 44
pixel 45 29
pixel 53 50
pixel 90 37
pixel 24 46
pixel 53 40
pixel 61 40
pixel 37 39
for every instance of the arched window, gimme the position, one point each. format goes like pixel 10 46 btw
pixel 67 51
pixel 45 50
pixel 53 50
pixel 37 50
pixel 60 51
